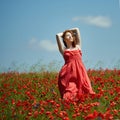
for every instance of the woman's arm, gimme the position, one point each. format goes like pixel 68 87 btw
pixel 77 35
pixel 59 42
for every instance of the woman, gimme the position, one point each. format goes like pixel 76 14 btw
pixel 73 80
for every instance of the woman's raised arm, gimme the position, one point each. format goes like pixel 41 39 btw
pixel 59 42
pixel 76 31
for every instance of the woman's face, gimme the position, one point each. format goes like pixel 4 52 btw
pixel 68 37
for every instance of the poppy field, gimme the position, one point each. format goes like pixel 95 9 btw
pixel 35 96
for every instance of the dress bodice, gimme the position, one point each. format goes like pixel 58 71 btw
pixel 70 55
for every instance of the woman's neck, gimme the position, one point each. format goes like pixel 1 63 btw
pixel 69 46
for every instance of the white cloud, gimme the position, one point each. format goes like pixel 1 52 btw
pixel 99 21
pixel 43 44
pixel 48 45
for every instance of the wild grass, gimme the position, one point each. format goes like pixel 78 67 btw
pixel 34 95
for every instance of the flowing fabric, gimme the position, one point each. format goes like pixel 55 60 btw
pixel 73 79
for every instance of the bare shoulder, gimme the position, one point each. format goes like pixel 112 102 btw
pixel 78 46
pixel 63 50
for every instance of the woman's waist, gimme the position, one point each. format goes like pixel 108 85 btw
pixel 72 59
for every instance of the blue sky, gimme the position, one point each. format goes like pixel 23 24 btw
pixel 28 29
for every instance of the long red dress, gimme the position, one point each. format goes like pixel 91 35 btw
pixel 73 79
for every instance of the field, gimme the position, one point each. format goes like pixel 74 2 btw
pixel 35 96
